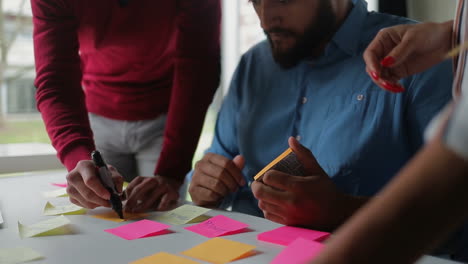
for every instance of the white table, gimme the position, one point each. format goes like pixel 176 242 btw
pixel 21 199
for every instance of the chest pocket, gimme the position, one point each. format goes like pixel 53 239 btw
pixel 355 131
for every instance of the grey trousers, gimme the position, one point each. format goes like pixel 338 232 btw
pixel 133 147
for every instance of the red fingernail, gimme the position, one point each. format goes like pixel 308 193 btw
pixel 388 61
pixel 374 75
pixel 394 88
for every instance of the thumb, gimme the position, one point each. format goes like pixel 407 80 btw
pixel 399 54
pixel 239 161
pixel 306 158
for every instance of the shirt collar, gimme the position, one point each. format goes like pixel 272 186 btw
pixel 347 38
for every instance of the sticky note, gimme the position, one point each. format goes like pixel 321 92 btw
pixel 51 227
pixel 219 225
pixel 69 209
pixel 140 229
pixel 112 216
pixel 18 255
pixel 286 234
pixel 164 258
pixel 182 215
pixel 219 250
pixel 62 192
pixel 300 251
pixel 63 185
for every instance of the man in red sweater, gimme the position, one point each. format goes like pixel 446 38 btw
pixel 144 73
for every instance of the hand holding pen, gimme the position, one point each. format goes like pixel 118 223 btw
pixel 401 51
pixel 85 187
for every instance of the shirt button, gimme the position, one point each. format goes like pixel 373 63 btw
pixel 298 137
pixel 360 97
pixel 304 100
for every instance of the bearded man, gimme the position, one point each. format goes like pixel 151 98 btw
pixel 308 82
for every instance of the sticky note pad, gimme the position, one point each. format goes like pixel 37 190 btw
pixel 164 258
pixel 62 192
pixel 62 184
pixel 69 209
pixel 287 162
pixel 182 215
pixel 300 251
pixel 18 255
pixel 219 250
pixel 112 216
pixel 286 234
pixel 51 227
pixel 140 229
pixel 219 225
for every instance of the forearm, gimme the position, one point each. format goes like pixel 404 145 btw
pixel 415 212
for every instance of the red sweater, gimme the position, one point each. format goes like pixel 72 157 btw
pixel 126 63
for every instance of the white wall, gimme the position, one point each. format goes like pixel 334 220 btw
pixel 432 10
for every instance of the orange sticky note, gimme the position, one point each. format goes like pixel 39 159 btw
pixel 219 251
pixel 112 216
pixel 163 257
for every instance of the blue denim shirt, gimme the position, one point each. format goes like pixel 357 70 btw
pixel 360 134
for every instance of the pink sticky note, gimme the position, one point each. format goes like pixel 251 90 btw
pixel 218 226
pixel 140 229
pixel 286 234
pixel 300 251
pixel 64 185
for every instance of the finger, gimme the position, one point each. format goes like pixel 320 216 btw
pixel 217 178
pixel 305 157
pixel 239 161
pixel 281 181
pixel 116 178
pixel 168 201
pixel 202 196
pixel 135 182
pixel 144 196
pixel 77 199
pixel 274 218
pixel 266 193
pixel 90 178
pixel 77 187
pixel 400 53
pixel 271 208
pixel 229 165
pixel 376 51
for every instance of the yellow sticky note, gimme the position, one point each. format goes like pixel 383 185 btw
pixel 52 227
pixel 62 192
pixel 219 251
pixel 18 255
pixel 69 209
pixel 112 216
pixel 182 215
pixel 164 258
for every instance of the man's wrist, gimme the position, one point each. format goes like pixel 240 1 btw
pixel 172 181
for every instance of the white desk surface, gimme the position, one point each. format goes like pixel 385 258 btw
pixel 21 199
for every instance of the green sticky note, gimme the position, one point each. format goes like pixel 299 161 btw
pixel 51 227
pixel 62 192
pixel 18 255
pixel 183 215
pixel 69 209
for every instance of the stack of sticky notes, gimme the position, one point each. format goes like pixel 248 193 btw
pixel 300 251
pixel 219 251
pixel 140 229
pixel 69 209
pixel 184 214
pixel 219 225
pixel 112 216
pixel 51 227
pixel 18 255
pixel 286 234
